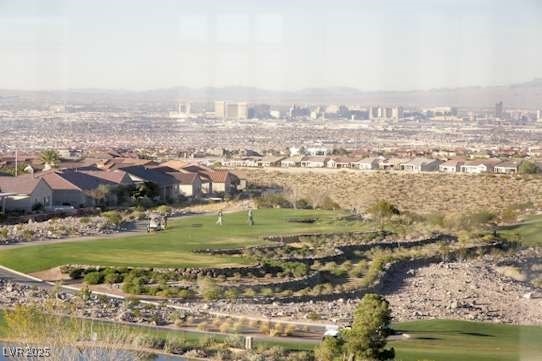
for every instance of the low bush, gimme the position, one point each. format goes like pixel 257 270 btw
pixel 94 278
pixel 272 200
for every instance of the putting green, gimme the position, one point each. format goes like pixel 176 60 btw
pixel 173 247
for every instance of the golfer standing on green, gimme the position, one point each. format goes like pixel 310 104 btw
pixel 250 217
pixel 220 219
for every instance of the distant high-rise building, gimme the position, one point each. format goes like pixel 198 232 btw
pixel 242 110
pixel 220 109
pixel 226 110
pixel 539 115
pixel 499 110
pixel 385 112
pixel 232 111
pixel 397 113
pixel 185 108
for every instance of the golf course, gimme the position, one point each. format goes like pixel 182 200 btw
pixel 528 233
pixel 431 340
pixel 174 247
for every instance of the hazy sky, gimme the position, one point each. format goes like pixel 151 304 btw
pixel 371 44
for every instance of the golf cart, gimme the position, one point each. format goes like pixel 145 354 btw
pixel 157 222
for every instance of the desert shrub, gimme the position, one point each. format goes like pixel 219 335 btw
pixel 313 316
pixel 249 292
pixel 272 200
pixel 232 293
pixel 112 276
pixel 164 210
pixel 303 204
pixel 112 217
pixel 27 234
pixel 76 273
pixel 208 289
pixel 265 327
pixel 185 293
pixel 94 278
pixel 266 292
pixel 329 204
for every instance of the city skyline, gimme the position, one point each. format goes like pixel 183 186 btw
pixel 385 46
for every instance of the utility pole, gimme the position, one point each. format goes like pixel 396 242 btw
pixel 16 162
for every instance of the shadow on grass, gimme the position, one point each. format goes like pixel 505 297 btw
pixel 477 334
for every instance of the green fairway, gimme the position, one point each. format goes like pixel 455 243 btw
pixel 528 233
pixel 468 341
pixel 446 340
pixel 173 247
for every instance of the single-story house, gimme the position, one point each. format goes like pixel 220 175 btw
pixel 480 166
pixel 314 162
pixel 189 184
pixel 220 180
pixel 366 164
pixel 291 162
pixel 65 193
pixel 271 161
pixel 421 165
pixel 339 162
pixel 392 163
pixel 451 166
pixel 168 186
pixel 508 167
pixel 24 193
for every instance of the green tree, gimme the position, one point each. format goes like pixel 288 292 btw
pixel 146 189
pixel 330 349
pixel 528 167
pixel 366 340
pixel 50 156
pixel 382 211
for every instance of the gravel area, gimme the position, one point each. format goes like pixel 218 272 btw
pixel 467 291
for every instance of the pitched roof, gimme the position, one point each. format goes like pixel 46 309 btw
pixel 487 162
pixel 453 163
pixel 184 178
pixel 365 160
pixel 116 176
pixel 84 181
pixel 56 182
pixel 174 164
pixel 315 159
pixel 273 158
pixel 295 158
pixel 151 175
pixel 508 164
pixel 24 184
pixel 218 176
pixel 420 161
pixel 115 163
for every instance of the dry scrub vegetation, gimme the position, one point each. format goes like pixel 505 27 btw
pixel 421 193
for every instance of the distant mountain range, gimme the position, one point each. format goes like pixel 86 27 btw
pixel 522 95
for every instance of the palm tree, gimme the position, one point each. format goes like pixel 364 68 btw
pixel 50 157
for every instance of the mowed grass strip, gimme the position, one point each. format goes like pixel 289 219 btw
pixel 528 233
pixel 173 247
pixel 446 340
